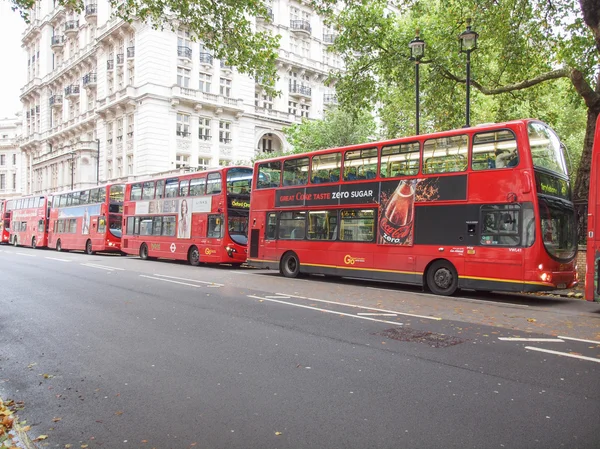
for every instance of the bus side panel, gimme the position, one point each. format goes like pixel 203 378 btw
pixel 592 271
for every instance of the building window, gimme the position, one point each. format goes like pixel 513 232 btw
pixel 204 128
pixel 182 160
pixel 205 82
pixel 14 159
pixel 266 143
pixel 119 167
pixel 130 126
pixel 130 164
pixel 2 181
pixel 224 132
pixel 14 176
pixel 183 77
pixel 225 87
pixel 183 125
pixel 109 170
pixel 262 100
pixel 109 132
pixel 203 163
pixel 305 48
pixel 120 129
pixel 2 159
pixel 304 109
pixel 292 107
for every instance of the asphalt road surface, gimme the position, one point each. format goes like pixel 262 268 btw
pixel 115 352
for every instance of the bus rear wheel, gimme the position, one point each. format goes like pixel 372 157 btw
pixel 144 252
pixel 194 256
pixel 442 278
pixel 88 248
pixel 33 243
pixel 290 265
pixel 58 246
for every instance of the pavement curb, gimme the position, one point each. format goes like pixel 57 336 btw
pixel 11 431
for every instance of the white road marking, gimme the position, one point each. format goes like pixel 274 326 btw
pixel 580 339
pixel 564 354
pixel 190 280
pixel 376 314
pixel 56 258
pixel 25 254
pixel 326 311
pixel 365 308
pixel 278 297
pixel 531 339
pixel 168 280
pixel 102 267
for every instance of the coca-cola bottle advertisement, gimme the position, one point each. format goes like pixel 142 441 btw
pixel 396 214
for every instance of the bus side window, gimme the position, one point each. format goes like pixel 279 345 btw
pixel 271 228
pixel 496 149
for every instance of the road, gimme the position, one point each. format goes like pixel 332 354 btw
pixel 116 352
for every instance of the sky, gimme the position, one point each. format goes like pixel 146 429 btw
pixel 13 73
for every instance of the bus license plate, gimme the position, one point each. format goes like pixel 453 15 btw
pixel 561 286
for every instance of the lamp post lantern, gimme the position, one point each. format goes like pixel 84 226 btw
pixel 468 43
pixel 417 51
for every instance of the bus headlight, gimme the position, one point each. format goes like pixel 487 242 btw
pixel 230 251
pixel 546 277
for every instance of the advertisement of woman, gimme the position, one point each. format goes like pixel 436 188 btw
pixel 185 221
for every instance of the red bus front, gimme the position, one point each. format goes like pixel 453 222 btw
pixel 87 220
pixel 445 210
pixel 29 222
pixel 198 217
pixel 592 271
pixel 4 220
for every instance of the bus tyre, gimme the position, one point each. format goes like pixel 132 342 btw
pixel 194 256
pixel 58 246
pixel 442 278
pixel 290 265
pixel 144 252
pixel 33 243
pixel 88 248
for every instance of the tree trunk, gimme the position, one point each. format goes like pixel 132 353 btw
pixel 582 183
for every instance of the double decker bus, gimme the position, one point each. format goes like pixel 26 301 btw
pixel 29 221
pixel 4 221
pixel 88 220
pixel 483 208
pixel 592 267
pixel 198 217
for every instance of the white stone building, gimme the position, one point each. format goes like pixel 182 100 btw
pixel 10 157
pixel 106 100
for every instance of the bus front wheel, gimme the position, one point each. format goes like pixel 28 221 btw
pixel 144 252
pixel 442 278
pixel 88 248
pixel 290 265
pixel 194 256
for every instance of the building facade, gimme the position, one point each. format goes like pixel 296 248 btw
pixel 106 100
pixel 10 157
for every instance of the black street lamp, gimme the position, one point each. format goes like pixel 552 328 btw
pixel 417 51
pixel 468 43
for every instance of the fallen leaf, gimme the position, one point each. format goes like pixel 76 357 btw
pixel 56 419
pixel 26 429
pixel 119 413
pixel 83 446
pixel 41 437
pixel 68 446
pixel 144 441
pixel 278 433
pixel 531 320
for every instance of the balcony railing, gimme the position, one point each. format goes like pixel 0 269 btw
pixel 71 26
pixel 72 90
pixel 330 99
pixel 130 52
pixel 110 64
pixel 91 10
pixel 184 52
pixel 206 58
pixel 224 66
pixel 57 41
pixel 56 101
pixel 120 59
pixel 301 90
pixel 90 80
pixel 328 38
pixel 302 26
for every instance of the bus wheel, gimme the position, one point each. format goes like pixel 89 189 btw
pixel 58 246
pixel 33 243
pixel 442 278
pixel 144 252
pixel 290 265
pixel 194 256
pixel 88 248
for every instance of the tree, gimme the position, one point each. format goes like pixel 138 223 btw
pixel 337 129
pixel 524 45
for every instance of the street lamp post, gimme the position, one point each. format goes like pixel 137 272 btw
pixel 417 51
pixel 468 43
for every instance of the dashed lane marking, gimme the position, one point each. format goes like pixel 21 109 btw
pixel 580 339
pixel 208 284
pixel 102 267
pixel 556 340
pixel 25 254
pixel 563 354
pixel 56 258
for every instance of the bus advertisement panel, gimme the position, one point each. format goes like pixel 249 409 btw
pixel 198 217
pixel 87 220
pixel 29 221
pixel 592 267
pixel 485 208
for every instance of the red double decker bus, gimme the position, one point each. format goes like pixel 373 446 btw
pixel 198 217
pixel 88 220
pixel 484 208
pixel 4 221
pixel 592 267
pixel 29 221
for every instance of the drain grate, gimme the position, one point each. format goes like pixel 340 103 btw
pixel 431 338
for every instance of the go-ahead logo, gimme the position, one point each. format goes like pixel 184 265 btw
pixel 209 251
pixel 349 260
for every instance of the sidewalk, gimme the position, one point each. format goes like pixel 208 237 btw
pixel 13 434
